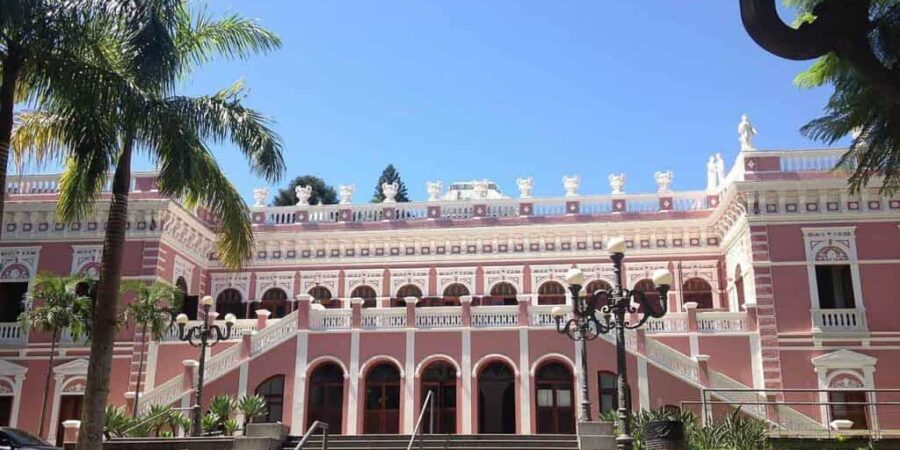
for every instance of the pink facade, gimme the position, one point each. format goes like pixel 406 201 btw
pixel 784 292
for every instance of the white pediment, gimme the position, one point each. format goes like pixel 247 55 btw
pixel 11 369
pixel 844 359
pixel 75 367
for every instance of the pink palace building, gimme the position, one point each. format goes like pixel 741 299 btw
pixel 784 301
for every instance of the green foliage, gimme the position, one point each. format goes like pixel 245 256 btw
pixel 252 406
pixel 322 193
pixel 734 432
pixel 230 426
pixel 210 423
pixel 152 305
pixel 159 421
pixel 390 175
pixel 117 422
pixel 855 107
pixel 59 307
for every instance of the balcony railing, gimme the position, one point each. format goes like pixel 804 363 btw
pixel 240 328
pixel 839 320
pixel 49 183
pixel 12 334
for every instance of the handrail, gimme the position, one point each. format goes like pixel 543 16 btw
pixel 315 425
pixel 429 406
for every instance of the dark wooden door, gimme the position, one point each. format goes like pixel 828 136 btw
pixel 69 409
pixel 440 380
pixel 382 411
pixel 5 410
pixel 326 397
pixel 496 399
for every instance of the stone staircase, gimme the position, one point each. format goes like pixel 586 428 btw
pixel 441 442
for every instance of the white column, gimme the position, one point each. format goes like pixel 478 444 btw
pixel 756 363
pixel 353 401
pixel 150 369
pixel 410 383
pixel 577 406
pixel 243 374
pixel 299 402
pixel 525 381
pixel 643 384
pixel 466 378
pixel 17 401
pixel 54 411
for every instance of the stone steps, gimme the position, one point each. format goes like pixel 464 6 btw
pixel 441 442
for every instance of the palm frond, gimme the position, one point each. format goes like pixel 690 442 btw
pixel 38 139
pixel 80 185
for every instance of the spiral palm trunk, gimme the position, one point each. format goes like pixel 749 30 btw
pixel 11 68
pixel 137 389
pixel 105 313
pixel 47 384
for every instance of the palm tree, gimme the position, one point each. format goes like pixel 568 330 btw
pixel 151 310
pixel 62 310
pixel 156 43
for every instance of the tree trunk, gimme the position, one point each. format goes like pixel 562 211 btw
pixel 103 334
pixel 12 64
pixel 47 385
pixel 137 389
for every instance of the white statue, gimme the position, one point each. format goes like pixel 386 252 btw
pixel 571 184
pixel 617 183
pixel 303 194
pixel 711 178
pixel 746 132
pixel 434 189
pixel 480 188
pixel 346 192
pixel 526 187
pixel 260 195
pixel 720 170
pixel 390 192
pixel 663 181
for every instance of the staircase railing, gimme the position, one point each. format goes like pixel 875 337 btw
pixel 428 405
pixel 317 425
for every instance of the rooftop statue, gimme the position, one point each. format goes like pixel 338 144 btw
pixel 746 132
pixel 346 193
pixel 259 196
pixel 303 194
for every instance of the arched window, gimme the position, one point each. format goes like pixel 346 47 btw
pixel 326 396
pixel 382 409
pixel 189 303
pixel 551 293
pixel 555 399
pixel 272 390
pixel 452 294
pixel 230 301
pixel 322 295
pixel 502 293
pixel 439 378
pixel 739 287
pixel 275 301
pixel 649 289
pixel 597 285
pixel 609 395
pixel 408 290
pixel 367 293
pixel 699 291
pixel 496 399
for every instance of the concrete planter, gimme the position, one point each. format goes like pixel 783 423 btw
pixel 596 436
pixel 664 435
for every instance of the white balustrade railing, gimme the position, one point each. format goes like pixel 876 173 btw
pixel 808 160
pixel 845 319
pixel 689 201
pixel 438 317
pixel 223 362
pixel 240 328
pixel 642 203
pixel 495 316
pixel 274 333
pixel 329 319
pixel 11 333
pixel 163 395
pixel 670 323
pixel 48 183
pixel 379 318
pixel 548 206
pixel 673 360
pixel 540 316
pixel 721 322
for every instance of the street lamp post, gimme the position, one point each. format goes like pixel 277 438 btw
pixel 202 336
pixel 602 312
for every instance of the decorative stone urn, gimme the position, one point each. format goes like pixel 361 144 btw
pixel 434 189
pixel 346 193
pixel 663 181
pixel 303 194
pixel 526 187
pixel 259 196
pixel 617 183
pixel 571 184
pixel 390 192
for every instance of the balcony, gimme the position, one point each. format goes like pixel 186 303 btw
pixel 849 320
pixel 11 334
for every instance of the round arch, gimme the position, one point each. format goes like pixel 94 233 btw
pixel 487 359
pixel 378 359
pixel 553 357
pixel 231 301
pixel 551 292
pixel 315 363
pixel 367 293
pixel 699 291
pixel 437 357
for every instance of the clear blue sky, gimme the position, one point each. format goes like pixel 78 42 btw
pixel 499 89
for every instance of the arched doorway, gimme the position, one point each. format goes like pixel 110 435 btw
pixel 326 397
pixel 555 399
pixel 551 293
pixel 502 293
pixel 272 390
pixel 322 296
pixel 496 399
pixel 382 409
pixel 409 290
pixel 698 290
pixel 649 289
pixel 367 293
pixel 451 295
pixel 230 301
pixel 597 285
pixel 439 378
pixel 189 303
pixel 275 301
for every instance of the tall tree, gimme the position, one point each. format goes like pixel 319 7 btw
pixel 156 43
pixel 322 193
pixel 40 41
pixel 150 311
pixel 390 175
pixel 60 310
pixel 857 44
